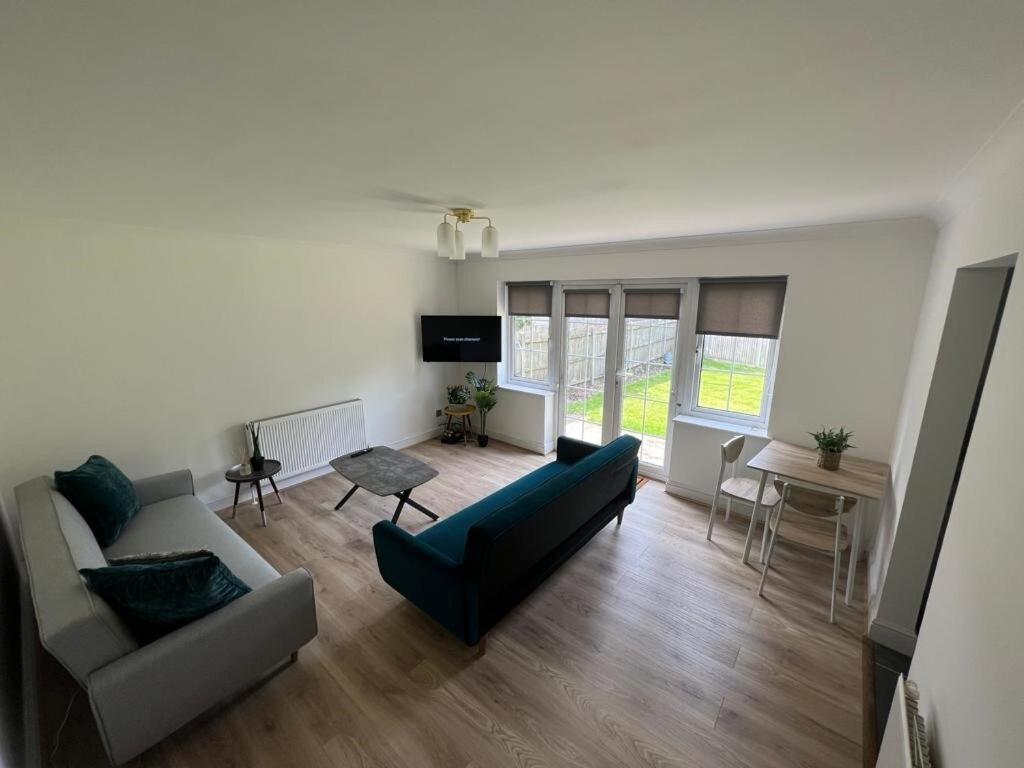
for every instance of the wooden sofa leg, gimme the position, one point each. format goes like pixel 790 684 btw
pixel 481 647
pixel 620 517
pixel 295 656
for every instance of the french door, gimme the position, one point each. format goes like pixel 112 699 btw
pixel 618 368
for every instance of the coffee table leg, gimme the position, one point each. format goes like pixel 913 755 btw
pixel 259 495
pixel 234 507
pixel 348 496
pixel 404 499
pixel 277 492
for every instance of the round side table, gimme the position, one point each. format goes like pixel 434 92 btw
pixel 235 475
pixel 462 411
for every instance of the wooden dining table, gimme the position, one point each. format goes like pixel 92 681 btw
pixel 862 478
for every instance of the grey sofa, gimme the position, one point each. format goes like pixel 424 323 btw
pixel 141 694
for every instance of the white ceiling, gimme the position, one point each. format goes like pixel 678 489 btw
pixel 572 122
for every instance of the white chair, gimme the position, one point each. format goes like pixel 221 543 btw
pixel 733 487
pixel 821 506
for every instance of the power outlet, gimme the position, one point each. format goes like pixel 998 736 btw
pixel 437 413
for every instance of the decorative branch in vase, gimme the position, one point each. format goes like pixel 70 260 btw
pixel 831 445
pixel 253 428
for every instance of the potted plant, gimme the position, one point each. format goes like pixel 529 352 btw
pixel 253 428
pixel 485 396
pixel 831 444
pixel 458 394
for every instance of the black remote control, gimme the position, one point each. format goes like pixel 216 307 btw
pixel 360 453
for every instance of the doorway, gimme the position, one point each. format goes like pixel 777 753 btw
pixel 618 365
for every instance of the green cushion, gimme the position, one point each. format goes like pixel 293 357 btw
pixel 449 536
pixel 157 594
pixel 103 496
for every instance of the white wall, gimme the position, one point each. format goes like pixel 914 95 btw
pixel 968 661
pixel 852 306
pixel 152 346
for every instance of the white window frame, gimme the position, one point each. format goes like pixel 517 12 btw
pixel 691 408
pixel 554 326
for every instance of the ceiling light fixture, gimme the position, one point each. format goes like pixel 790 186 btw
pixel 451 243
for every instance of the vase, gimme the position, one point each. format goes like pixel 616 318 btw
pixel 482 440
pixel 829 460
pixel 257 463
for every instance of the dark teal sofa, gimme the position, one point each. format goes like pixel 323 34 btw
pixel 472 568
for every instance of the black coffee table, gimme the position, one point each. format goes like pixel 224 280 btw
pixel 385 472
pixel 235 475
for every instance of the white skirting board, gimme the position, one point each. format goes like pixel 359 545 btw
pixel 529 445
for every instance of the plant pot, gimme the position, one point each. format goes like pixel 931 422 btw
pixel 829 460
pixel 482 440
pixel 257 463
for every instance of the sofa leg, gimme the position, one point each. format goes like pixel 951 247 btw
pixel 295 656
pixel 620 517
pixel 481 647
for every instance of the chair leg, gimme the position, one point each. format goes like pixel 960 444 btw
pixel 728 508
pixel 835 572
pixel 714 509
pixel 764 533
pixel 771 548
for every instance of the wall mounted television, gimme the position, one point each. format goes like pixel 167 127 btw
pixel 461 338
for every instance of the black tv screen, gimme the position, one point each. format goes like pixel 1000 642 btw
pixel 461 338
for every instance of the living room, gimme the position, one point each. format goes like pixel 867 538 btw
pixel 212 220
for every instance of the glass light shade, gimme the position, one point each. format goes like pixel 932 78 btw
pixel 459 252
pixel 445 240
pixel 489 242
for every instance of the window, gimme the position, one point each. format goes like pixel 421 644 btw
pixel 738 324
pixel 531 348
pixel 734 375
pixel 529 328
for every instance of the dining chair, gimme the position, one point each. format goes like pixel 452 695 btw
pixel 741 488
pixel 818 505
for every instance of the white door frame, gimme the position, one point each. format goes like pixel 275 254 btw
pixel 615 358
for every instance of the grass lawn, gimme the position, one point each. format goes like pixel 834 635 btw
pixel 747 389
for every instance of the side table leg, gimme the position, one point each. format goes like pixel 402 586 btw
pixel 259 495
pixel 234 507
pixel 277 492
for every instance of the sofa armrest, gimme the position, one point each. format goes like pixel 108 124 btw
pixel 150 490
pixel 428 578
pixel 148 694
pixel 569 450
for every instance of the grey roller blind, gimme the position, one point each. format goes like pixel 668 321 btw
pixel 741 306
pixel 587 303
pixel 529 299
pixel 653 304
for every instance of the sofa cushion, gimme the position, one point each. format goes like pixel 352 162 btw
pixel 102 494
pixel 449 535
pixel 185 523
pixel 160 595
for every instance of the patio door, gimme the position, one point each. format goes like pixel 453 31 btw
pixel 618 368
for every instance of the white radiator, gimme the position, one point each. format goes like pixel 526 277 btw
pixel 308 440
pixel 905 743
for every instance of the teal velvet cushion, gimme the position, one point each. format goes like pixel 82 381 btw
pixel 103 496
pixel 156 594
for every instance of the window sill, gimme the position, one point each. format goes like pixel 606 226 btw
pixel 526 390
pixel 723 425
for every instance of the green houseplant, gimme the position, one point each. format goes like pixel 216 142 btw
pixel 485 396
pixel 831 444
pixel 458 394
pixel 253 428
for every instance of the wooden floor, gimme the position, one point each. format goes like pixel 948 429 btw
pixel 649 648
